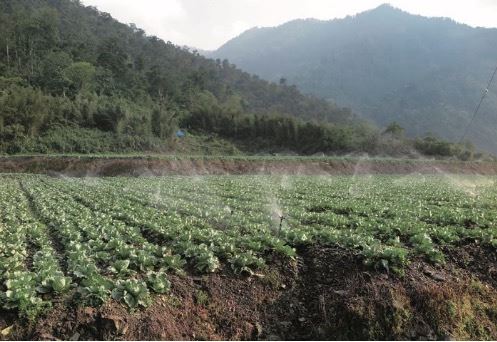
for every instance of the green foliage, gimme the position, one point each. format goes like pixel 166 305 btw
pixel 133 293
pixel 432 146
pixel 23 111
pixel 52 77
pixel 49 276
pixel 95 290
pixel 169 261
pixel 120 267
pixel 423 244
pixel 394 130
pixel 158 282
pixel 21 295
pixel 60 284
pixel 244 262
pixel 73 67
pixel 205 260
pixel 81 76
pixel 201 297
pixel 276 132
pixel 119 237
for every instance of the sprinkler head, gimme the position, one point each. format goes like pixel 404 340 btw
pixel 282 218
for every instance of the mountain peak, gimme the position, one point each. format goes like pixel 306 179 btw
pixel 386 7
pixel 383 9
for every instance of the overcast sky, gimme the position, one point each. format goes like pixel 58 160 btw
pixel 207 24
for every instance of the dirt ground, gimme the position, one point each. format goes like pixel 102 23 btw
pixel 137 166
pixel 326 293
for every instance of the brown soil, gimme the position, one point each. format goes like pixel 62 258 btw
pixel 327 293
pixel 482 261
pixel 137 166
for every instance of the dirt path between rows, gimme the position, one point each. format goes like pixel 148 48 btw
pixel 137 166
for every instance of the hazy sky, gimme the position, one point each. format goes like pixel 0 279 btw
pixel 207 24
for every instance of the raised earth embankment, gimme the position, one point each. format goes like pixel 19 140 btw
pixel 82 166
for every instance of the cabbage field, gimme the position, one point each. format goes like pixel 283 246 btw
pixel 93 240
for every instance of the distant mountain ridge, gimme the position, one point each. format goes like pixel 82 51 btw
pixel 386 64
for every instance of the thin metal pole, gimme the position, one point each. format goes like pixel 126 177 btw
pixel 485 92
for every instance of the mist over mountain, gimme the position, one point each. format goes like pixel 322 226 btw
pixel 387 65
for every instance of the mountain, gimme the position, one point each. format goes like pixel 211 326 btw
pixel 427 74
pixel 66 68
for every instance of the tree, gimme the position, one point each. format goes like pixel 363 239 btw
pixel 81 75
pixel 163 122
pixel 109 116
pixel 394 130
pixel 113 57
pixel 51 76
pixel 26 107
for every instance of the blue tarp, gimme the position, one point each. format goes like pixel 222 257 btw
pixel 180 133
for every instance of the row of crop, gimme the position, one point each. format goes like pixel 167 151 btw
pixel 27 274
pixel 239 228
pixel 194 237
pixel 103 256
pixel 392 211
pixel 386 208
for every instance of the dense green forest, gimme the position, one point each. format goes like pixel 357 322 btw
pixel 73 79
pixel 387 65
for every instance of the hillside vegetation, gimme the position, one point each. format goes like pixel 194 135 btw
pixel 63 64
pixel 74 80
pixel 427 74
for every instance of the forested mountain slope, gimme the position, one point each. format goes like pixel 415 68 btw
pixel 64 65
pixel 387 65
